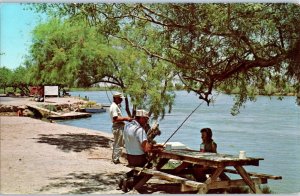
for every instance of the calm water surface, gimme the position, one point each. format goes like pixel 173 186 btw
pixel 267 128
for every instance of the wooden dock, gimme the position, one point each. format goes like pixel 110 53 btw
pixel 43 111
pixel 70 115
pixel 58 116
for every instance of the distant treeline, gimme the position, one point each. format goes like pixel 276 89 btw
pixel 268 90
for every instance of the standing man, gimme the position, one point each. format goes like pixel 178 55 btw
pixel 117 126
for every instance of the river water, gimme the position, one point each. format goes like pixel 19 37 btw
pixel 267 128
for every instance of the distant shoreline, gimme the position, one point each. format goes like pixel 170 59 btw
pixel 232 93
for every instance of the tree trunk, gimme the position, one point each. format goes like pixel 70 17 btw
pixel 127 107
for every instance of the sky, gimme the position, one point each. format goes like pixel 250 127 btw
pixel 16 27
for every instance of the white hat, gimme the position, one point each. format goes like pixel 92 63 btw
pixel 142 113
pixel 118 94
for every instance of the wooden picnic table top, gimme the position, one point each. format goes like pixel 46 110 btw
pixel 205 158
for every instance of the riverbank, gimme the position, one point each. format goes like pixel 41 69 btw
pixel 9 106
pixel 39 157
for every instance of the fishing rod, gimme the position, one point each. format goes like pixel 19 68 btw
pixel 182 123
pixel 148 162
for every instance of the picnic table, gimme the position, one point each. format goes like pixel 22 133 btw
pixel 192 162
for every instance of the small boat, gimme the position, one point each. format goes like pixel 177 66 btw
pixel 106 105
pixel 94 110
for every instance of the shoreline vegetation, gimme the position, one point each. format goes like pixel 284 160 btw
pixel 268 90
pixel 82 102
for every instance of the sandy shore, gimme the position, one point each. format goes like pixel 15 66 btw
pixel 41 157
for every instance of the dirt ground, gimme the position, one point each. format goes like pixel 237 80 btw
pixel 39 157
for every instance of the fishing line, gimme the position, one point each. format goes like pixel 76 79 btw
pixel 106 93
pixel 183 123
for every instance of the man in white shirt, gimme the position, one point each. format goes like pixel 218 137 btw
pixel 137 146
pixel 117 126
pixel 135 138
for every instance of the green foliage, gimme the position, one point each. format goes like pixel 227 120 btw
pixel 141 47
pixel 19 76
pixel 64 52
pixel 89 104
pixel 17 79
pixel 5 77
pixel 266 189
pixel 172 164
pixel 51 108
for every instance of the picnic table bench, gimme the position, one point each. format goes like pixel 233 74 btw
pixel 218 163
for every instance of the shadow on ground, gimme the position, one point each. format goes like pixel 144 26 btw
pixel 87 183
pixel 83 183
pixel 74 142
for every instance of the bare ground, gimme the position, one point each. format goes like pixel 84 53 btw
pixel 42 157
pixel 39 157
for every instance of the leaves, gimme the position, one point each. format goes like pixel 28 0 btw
pixel 142 47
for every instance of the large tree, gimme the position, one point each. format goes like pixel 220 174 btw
pixel 213 45
pixel 17 78
pixel 72 53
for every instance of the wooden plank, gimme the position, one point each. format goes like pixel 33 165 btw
pixel 183 181
pixel 142 181
pixel 223 176
pixel 215 175
pixel 192 160
pixel 260 175
pixel 178 173
pixel 182 166
pixel 208 159
pixel 246 178
pixel 234 183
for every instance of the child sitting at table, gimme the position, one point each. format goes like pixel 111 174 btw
pixel 208 144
